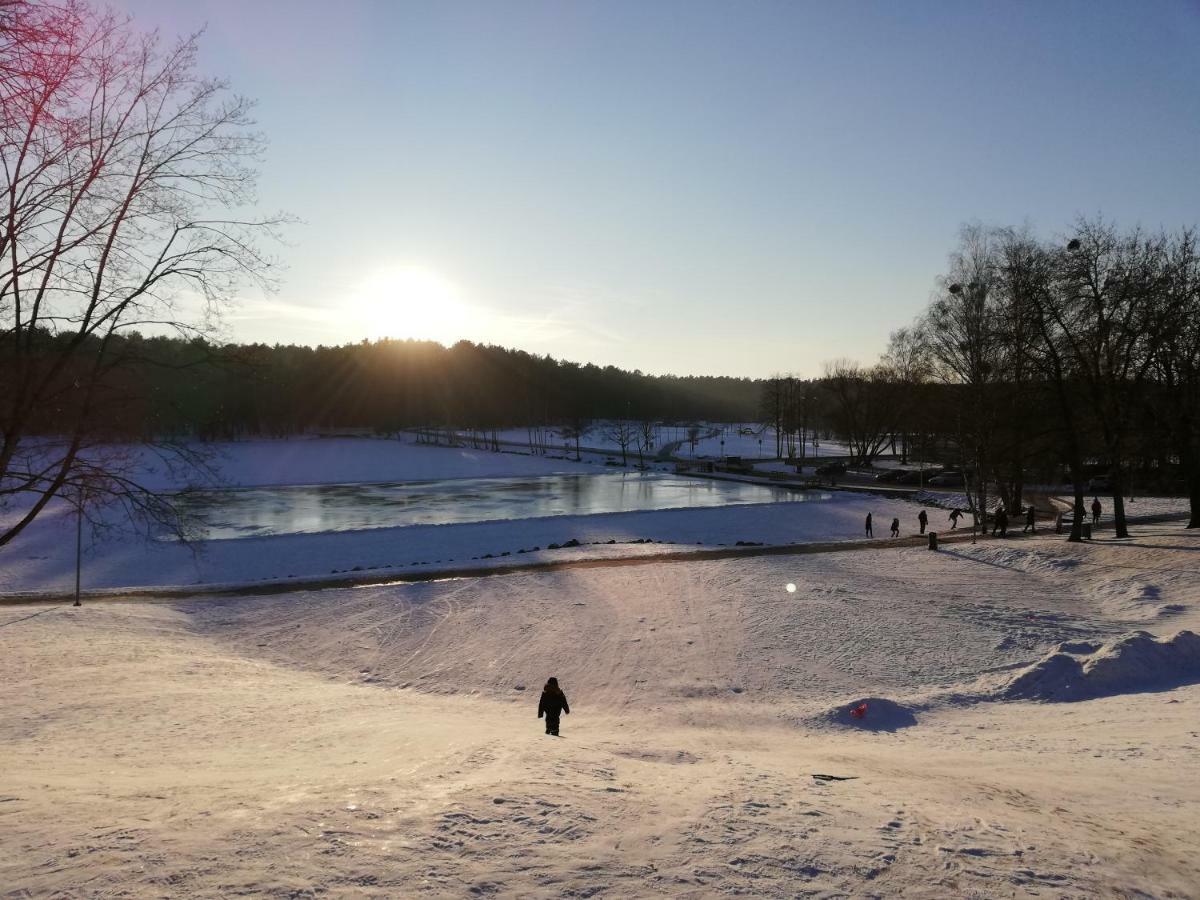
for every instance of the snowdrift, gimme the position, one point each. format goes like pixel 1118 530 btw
pixel 1018 559
pixel 875 714
pixel 1134 597
pixel 1134 663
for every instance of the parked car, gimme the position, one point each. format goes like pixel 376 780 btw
pixel 891 475
pixel 948 479
pixel 1100 483
pixel 916 476
pixel 831 468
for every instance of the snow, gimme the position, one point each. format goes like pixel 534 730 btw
pixel 1135 662
pixel 1139 506
pixel 383 740
pixel 866 714
pixel 598 439
pixel 43 558
pixel 355 460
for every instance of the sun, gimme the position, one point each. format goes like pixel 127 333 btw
pixel 405 301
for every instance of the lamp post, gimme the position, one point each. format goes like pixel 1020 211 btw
pixel 79 498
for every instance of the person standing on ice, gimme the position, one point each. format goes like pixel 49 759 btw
pixel 955 515
pixel 552 704
pixel 1030 520
pixel 869 526
pixel 895 528
pixel 1096 510
pixel 923 518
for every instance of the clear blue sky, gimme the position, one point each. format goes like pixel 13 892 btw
pixel 718 188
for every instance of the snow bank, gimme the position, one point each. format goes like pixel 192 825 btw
pixel 865 714
pixel 1017 558
pixel 947 500
pixel 43 558
pixel 1134 663
pixel 1132 597
pixel 1136 508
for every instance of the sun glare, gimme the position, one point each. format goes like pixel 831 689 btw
pixel 409 302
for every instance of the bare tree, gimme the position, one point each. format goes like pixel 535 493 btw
pixel 574 430
pixel 622 433
pixel 647 430
pixel 1176 366
pixel 123 168
pixel 860 406
pixel 964 350
pixel 1106 302
pixel 907 363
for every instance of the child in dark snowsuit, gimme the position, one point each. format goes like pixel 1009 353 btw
pixel 553 703
pixel 895 528
pixel 1030 520
pixel 923 518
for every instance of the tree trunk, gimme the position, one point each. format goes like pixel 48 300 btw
pixel 1118 491
pixel 1194 497
pixel 1188 462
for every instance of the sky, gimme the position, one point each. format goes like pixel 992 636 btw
pixel 737 188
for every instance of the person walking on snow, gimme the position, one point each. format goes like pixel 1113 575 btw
pixel 1001 522
pixel 895 528
pixel 1096 510
pixel 955 514
pixel 923 518
pixel 996 520
pixel 1030 520
pixel 869 534
pixel 552 704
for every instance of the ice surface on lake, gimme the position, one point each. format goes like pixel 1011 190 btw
pixel 351 507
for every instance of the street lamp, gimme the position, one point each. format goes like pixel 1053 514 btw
pixel 79 500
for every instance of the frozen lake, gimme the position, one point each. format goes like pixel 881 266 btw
pixel 252 512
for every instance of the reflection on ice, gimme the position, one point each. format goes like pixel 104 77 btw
pixel 253 512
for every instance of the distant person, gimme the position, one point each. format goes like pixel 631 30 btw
pixel 895 528
pixel 1001 522
pixel 552 704
pixel 869 534
pixel 955 515
pixel 1096 510
pixel 923 518
pixel 1030 520
pixel 995 521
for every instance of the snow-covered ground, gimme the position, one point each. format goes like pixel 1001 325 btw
pixel 43 558
pixel 1137 506
pixel 740 439
pixel 353 460
pixel 1029 728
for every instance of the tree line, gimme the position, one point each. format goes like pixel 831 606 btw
pixel 1033 356
pixel 197 389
